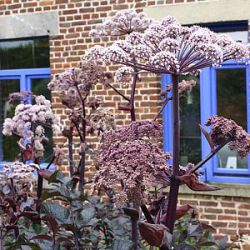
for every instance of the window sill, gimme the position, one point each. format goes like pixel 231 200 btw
pixel 232 190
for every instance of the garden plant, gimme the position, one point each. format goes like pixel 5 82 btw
pixel 131 201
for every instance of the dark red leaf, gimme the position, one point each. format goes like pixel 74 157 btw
pixel 42 237
pixel 194 184
pixel 180 211
pixel 11 202
pixel 131 212
pixel 157 204
pixel 64 239
pixel 32 215
pixel 52 223
pixel 207 136
pixel 153 234
pixel 27 154
pixel 45 173
pixel 11 227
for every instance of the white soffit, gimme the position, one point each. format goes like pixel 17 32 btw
pixel 203 11
pixel 29 25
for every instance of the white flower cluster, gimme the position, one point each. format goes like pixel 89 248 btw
pixel 123 74
pixel 124 22
pixel 168 47
pixel 27 123
pixel 18 170
pixel 26 114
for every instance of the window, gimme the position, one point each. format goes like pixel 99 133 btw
pixel 24 66
pixel 223 91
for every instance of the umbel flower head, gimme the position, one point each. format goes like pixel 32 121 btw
pixel 124 22
pixel 75 83
pixel 129 159
pixel 168 47
pixel 223 129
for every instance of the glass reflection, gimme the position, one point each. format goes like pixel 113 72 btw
pixel 10 149
pixel 190 148
pixel 231 103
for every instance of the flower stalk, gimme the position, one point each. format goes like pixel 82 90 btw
pixel 174 186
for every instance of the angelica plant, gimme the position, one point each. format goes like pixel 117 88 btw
pixel 160 47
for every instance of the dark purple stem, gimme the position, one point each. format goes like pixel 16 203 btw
pixel 81 167
pixel 147 214
pixel 174 185
pixel 212 153
pixel 70 148
pixel 118 92
pixel 135 233
pixel 132 98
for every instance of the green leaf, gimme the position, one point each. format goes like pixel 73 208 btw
pixel 53 194
pixel 208 244
pixel 56 177
pixel 85 216
pixel 60 213
pixel 122 245
pixel 19 246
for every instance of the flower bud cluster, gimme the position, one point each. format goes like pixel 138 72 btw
pixel 124 22
pixel 130 155
pixel 28 124
pixel 223 129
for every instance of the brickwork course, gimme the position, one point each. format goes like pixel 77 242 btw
pixel 229 214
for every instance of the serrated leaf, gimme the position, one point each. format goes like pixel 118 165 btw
pixel 60 213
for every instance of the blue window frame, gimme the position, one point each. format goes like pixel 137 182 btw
pixel 208 107
pixel 24 77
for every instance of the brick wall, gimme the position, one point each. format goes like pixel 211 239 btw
pixel 76 17
pixel 229 215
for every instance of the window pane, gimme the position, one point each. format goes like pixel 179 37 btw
pixel 39 87
pixel 231 103
pixel 10 149
pixel 32 53
pixel 190 118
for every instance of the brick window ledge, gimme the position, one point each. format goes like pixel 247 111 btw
pixel 232 190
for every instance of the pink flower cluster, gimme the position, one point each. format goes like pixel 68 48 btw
pixel 28 124
pixel 168 47
pixel 124 22
pixel 223 129
pixel 129 159
pixel 75 83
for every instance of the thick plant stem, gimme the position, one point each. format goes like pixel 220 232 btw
pixel 174 186
pixel 82 171
pixel 147 214
pixel 82 134
pixel 70 149
pixel 132 98
pixel 135 237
